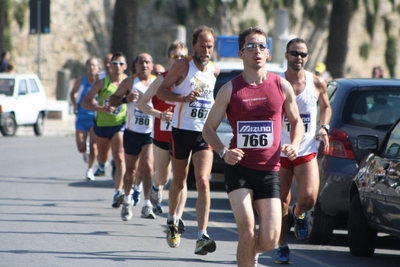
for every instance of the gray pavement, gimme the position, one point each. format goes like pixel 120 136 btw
pixel 51 216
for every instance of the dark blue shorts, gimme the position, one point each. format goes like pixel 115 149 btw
pixel 133 142
pixel 108 132
pixel 265 184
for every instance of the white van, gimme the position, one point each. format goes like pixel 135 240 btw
pixel 23 102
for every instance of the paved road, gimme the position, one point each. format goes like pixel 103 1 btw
pixel 51 216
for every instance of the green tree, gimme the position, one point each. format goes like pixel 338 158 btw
pixel 3 21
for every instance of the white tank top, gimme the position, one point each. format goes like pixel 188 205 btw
pixel 136 120
pixel 192 116
pixel 307 104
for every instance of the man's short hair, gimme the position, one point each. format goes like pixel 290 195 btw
pixel 295 40
pixel 199 30
pixel 250 31
pixel 175 45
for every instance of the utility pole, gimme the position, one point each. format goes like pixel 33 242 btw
pixel 227 4
pixel 39 28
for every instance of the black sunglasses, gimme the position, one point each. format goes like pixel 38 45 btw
pixel 296 54
pixel 253 46
pixel 118 62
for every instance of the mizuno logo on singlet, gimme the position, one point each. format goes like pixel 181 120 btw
pixel 255 127
pixel 201 104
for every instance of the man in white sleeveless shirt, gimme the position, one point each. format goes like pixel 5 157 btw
pixel 309 89
pixel 192 80
pixel 137 136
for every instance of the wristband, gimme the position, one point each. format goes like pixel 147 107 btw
pixel 160 115
pixel 184 99
pixel 124 101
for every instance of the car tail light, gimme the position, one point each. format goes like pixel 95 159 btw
pixel 339 145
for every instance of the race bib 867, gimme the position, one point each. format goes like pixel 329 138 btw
pixel 254 134
pixel 199 109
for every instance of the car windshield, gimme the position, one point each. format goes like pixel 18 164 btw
pixel 373 108
pixel 7 86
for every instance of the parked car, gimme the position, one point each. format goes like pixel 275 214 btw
pixel 229 70
pixel 23 102
pixel 375 193
pixel 359 106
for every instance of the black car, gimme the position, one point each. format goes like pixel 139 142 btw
pixel 375 193
pixel 359 106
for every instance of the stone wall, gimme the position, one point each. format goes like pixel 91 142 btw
pixel 81 28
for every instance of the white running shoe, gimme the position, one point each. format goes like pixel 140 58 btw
pixel 90 175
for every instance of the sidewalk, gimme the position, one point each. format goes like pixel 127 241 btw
pixel 52 127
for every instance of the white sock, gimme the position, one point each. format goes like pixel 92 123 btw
pixel 128 198
pixel 147 202
pixel 138 187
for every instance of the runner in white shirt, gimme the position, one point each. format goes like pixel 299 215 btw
pixel 309 89
pixel 138 147
pixel 192 80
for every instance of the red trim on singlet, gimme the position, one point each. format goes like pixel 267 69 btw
pixel 161 105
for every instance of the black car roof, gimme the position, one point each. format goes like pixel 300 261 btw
pixel 361 82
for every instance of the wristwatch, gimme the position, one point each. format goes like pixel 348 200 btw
pixel 326 127
pixel 223 152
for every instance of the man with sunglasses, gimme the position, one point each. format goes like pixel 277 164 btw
pixel 192 81
pixel 162 112
pixel 137 140
pixel 158 69
pixel 310 90
pixel 254 103
pixel 109 122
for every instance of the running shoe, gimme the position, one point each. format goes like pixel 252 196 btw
pixel 118 199
pixel 90 175
pixel 205 245
pixel 136 197
pixel 282 255
pixel 181 226
pixel 100 172
pixel 173 236
pixel 147 212
pixel 126 211
pixel 155 196
pixel 158 210
pixel 300 225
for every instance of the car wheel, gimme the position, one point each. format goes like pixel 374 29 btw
pixel 322 226
pixel 10 127
pixel 362 239
pixel 38 127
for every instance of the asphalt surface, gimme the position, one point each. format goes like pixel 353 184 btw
pixel 51 216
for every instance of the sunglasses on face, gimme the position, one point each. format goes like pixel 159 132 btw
pixel 178 56
pixel 253 46
pixel 118 63
pixel 296 54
